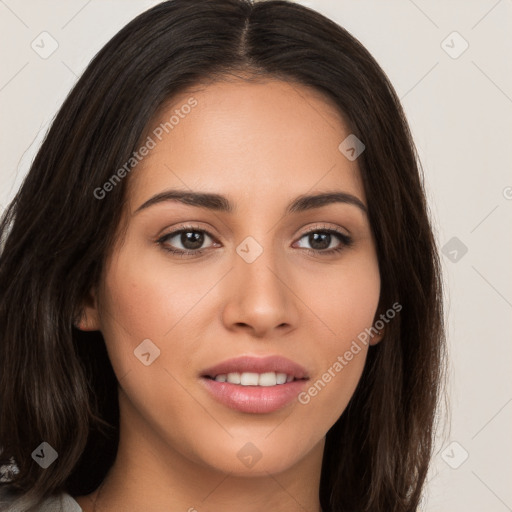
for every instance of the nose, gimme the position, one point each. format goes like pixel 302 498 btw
pixel 260 298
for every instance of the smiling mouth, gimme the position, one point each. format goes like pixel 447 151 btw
pixel 266 379
pixel 255 384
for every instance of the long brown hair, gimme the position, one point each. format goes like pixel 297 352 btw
pixel 57 384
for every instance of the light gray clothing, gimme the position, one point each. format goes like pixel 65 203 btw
pixel 60 503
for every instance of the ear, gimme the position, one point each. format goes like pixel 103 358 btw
pixel 376 338
pixel 89 319
pixel 378 328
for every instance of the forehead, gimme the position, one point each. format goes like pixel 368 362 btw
pixel 262 141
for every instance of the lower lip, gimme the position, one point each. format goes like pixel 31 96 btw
pixel 254 399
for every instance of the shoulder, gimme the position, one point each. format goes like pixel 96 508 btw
pixel 12 502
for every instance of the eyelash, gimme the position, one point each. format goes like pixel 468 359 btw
pixel 346 241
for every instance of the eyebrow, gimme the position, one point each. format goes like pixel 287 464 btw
pixel 217 202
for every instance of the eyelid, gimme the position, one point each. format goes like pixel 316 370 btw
pixel 183 226
pixel 326 227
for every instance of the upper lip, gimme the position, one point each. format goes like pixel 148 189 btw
pixel 278 364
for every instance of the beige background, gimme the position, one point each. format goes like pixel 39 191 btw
pixel 460 111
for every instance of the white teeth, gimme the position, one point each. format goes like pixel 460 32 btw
pixel 267 379
pixel 234 378
pixel 249 379
pixel 281 378
pixel 255 379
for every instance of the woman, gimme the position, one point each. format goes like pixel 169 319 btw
pixel 219 285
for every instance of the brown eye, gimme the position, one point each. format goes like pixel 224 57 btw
pixel 325 241
pixel 192 240
pixel 185 241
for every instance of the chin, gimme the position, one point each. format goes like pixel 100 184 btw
pixel 245 458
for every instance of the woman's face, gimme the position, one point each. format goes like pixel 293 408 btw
pixel 266 278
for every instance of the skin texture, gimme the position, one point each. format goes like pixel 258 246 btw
pixel 260 144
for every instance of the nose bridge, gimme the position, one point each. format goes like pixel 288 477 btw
pixel 259 275
pixel 258 296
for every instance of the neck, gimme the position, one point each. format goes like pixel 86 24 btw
pixel 149 474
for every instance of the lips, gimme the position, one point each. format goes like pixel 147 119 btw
pixel 255 384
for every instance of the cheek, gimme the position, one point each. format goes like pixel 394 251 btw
pixel 344 300
pixel 345 303
pixel 145 298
